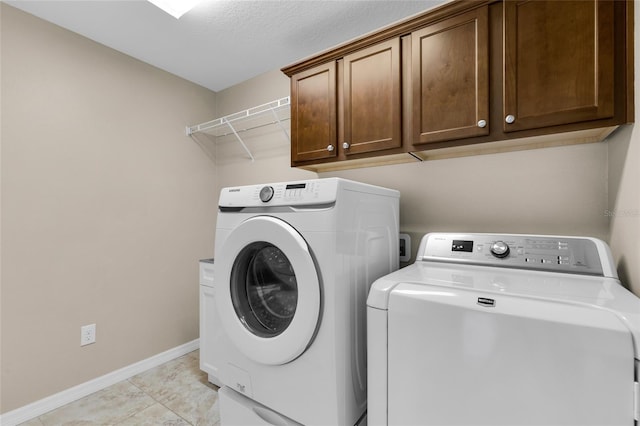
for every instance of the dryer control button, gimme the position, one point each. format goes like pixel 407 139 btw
pixel 266 193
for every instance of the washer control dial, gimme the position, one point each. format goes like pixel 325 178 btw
pixel 266 193
pixel 500 249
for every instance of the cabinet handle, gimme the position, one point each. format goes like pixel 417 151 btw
pixel 330 148
pixel 509 119
pixel 345 145
pixel 482 123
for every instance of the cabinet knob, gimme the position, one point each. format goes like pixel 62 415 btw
pixel 509 119
pixel 482 123
pixel 345 145
pixel 330 148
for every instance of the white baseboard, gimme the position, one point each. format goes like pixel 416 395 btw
pixel 38 408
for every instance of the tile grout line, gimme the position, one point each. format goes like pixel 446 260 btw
pixel 139 411
pixel 157 401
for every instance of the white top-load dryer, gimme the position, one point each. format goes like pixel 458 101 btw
pixel 504 330
pixel 294 263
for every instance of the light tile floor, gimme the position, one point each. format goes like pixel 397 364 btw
pixel 176 393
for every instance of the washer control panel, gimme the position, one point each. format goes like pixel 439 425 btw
pixel 304 193
pixel 558 254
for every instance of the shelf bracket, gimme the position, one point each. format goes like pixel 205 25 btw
pixel 228 123
pixel 284 130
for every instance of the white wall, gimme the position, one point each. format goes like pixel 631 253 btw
pixel 106 208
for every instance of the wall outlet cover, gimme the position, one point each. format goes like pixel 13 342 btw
pixel 87 334
pixel 405 247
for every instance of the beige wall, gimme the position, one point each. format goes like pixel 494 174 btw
pixel 558 191
pixel 624 204
pixel 624 190
pixel 106 207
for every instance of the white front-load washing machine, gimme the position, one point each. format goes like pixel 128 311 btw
pixel 294 263
pixel 504 330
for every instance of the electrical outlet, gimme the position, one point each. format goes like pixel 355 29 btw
pixel 87 334
pixel 405 247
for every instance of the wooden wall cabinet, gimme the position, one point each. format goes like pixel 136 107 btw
pixel 472 76
pixel 313 114
pixel 559 62
pixel 371 95
pixel 450 78
pixel 346 107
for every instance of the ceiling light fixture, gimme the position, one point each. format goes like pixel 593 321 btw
pixel 175 8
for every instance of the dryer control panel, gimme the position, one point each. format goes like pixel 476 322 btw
pixel 579 255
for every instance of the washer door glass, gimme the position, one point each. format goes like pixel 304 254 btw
pixel 264 290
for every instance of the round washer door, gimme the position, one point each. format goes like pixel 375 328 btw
pixel 269 301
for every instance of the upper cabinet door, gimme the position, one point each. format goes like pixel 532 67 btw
pixel 372 90
pixel 559 58
pixel 450 78
pixel 313 113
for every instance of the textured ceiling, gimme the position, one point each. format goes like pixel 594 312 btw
pixel 221 43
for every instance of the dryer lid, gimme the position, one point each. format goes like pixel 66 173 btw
pixel 492 282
